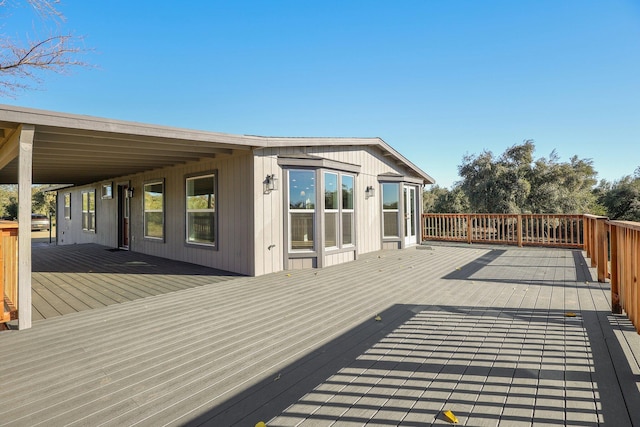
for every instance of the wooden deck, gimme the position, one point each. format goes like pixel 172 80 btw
pixel 481 331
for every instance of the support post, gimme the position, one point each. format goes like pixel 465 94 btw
pixel 601 255
pixel 519 230
pixel 25 178
pixel 616 308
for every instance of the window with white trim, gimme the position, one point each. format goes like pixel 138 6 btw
pixel 390 209
pixel 302 209
pixel 153 206
pixel 338 210
pixel 201 209
pixel 67 205
pixel 89 210
pixel 348 226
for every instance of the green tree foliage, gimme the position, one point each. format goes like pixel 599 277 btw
pixel 497 185
pixel 621 198
pixel 515 183
pixel 441 200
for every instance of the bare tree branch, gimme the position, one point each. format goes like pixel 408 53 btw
pixel 24 61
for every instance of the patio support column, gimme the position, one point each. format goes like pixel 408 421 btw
pixel 25 178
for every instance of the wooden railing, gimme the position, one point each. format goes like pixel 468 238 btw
pixel 8 270
pixel 526 229
pixel 624 266
pixel 612 246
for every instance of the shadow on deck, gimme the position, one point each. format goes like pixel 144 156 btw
pixel 480 331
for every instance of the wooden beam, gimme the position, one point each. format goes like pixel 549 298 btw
pixel 25 178
pixel 9 149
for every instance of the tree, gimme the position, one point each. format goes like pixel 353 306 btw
pixel 515 183
pixel 24 60
pixel 622 198
pixel 441 200
pixel 497 185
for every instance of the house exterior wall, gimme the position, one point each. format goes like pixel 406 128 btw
pixel 235 246
pixel 252 222
pixel 271 209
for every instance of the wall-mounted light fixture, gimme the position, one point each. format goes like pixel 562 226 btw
pixel 130 193
pixel 270 183
pixel 369 192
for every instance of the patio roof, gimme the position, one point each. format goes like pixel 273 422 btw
pixel 77 149
pixel 481 331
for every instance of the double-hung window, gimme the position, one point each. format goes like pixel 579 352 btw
pixel 390 209
pixel 338 210
pixel 201 209
pixel 302 209
pixel 67 206
pixel 154 210
pixel 89 210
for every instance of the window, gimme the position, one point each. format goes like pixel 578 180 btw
pixel 201 209
pixel 331 210
pixel 338 210
pixel 67 206
pixel 89 210
pixel 154 210
pixel 347 210
pixel 390 211
pixel 302 199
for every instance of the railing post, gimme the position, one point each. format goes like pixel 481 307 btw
pixel 469 228
pixel 519 230
pixel 601 249
pixel 616 308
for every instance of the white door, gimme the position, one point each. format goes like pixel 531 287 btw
pixel 410 225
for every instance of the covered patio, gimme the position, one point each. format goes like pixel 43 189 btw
pixel 487 332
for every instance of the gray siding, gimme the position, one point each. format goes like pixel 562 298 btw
pixel 270 209
pixel 235 215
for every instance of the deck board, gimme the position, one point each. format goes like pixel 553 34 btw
pixel 477 329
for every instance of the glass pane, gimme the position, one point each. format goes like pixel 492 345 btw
pixel 92 221
pixel 390 196
pixel 92 201
pixel 153 226
pixel 201 227
pixel 390 220
pixel 301 230
pixel 85 221
pixel 347 228
pixel 412 209
pixel 330 191
pixel 85 202
pixel 347 192
pixel 200 193
pixel 302 191
pixel 153 194
pixel 330 229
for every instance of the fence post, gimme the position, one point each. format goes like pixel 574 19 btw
pixel 616 308
pixel 469 228
pixel 519 230
pixel 602 259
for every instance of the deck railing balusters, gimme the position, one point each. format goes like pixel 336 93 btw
pixel 8 270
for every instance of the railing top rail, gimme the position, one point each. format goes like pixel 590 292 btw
pixel 8 224
pixel 625 224
pixel 595 216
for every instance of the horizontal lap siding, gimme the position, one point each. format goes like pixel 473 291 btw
pixel 235 215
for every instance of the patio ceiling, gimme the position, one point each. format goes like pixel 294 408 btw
pixel 71 149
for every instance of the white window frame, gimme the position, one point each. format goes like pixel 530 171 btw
pixel 87 223
pixel 313 212
pixel 66 202
pixel 396 210
pixel 146 210
pixel 344 210
pixel 214 209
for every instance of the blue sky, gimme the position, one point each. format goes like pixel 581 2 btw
pixel 435 79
